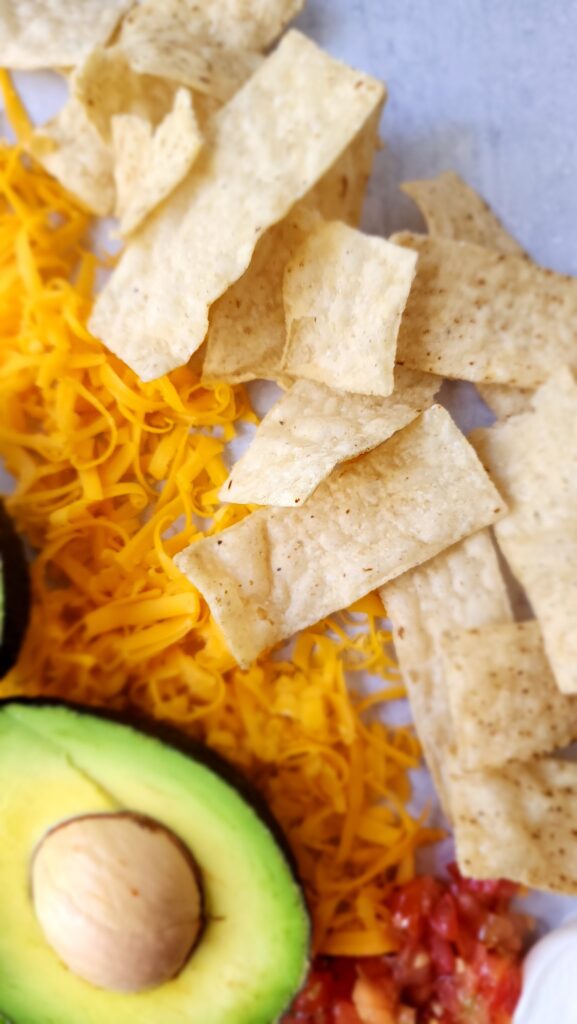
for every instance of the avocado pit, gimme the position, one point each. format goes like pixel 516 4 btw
pixel 118 899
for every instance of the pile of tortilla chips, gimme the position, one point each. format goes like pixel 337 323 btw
pixel 237 173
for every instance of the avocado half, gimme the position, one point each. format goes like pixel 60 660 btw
pixel 59 762
pixel 14 593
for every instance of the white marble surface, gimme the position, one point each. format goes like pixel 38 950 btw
pixel 487 87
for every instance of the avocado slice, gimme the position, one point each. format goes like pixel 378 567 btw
pixel 14 593
pixel 61 762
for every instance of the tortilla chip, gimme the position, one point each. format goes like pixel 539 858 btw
pixel 518 822
pixel 311 429
pixel 533 458
pixel 213 48
pixel 55 33
pixel 244 24
pixel 71 149
pixel 205 108
pixel 340 194
pixel 452 209
pixel 149 163
pixel 462 588
pixel 281 570
pixel 76 146
pixel 479 315
pixel 177 40
pixel 344 294
pixel 504 401
pixel 106 85
pixel 247 332
pixel 504 701
pixel 244 182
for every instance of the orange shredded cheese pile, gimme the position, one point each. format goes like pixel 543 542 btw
pixel 104 466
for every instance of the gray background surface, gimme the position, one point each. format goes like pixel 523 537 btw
pixel 487 87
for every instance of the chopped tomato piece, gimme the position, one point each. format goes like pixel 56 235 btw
pixel 457 961
pixel 375 1001
pixel 443 918
pixel 345 1013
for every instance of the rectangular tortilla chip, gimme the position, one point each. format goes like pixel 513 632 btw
pixel 504 702
pixel 311 429
pixel 344 294
pixel 247 334
pixel 55 33
pixel 462 588
pixel 153 312
pixel 452 209
pixel 519 822
pixel 281 570
pixel 533 459
pixel 479 315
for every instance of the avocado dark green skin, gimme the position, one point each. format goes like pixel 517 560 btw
pixel 196 751
pixel 17 598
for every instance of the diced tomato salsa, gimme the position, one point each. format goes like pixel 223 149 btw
pixel 459 955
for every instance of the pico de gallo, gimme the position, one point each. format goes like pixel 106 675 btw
pixel 458 961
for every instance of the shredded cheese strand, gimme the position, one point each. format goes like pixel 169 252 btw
pixel 113 477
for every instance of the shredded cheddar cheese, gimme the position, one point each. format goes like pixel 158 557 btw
pixel 112 478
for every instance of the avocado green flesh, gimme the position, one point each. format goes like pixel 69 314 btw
pixel 56 763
